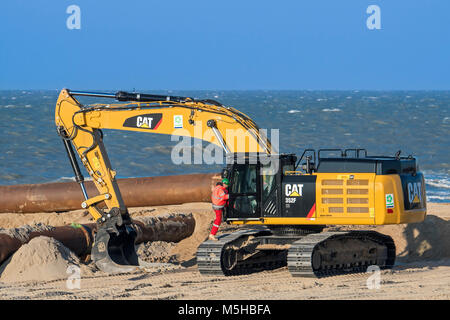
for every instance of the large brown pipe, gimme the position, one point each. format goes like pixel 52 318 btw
pixel 79 238
pixel 136 192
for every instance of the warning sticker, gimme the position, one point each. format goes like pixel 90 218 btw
pixel 389 200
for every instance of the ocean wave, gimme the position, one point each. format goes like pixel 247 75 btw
pixel 69 179
pixel 293 111
pixel 13 106
pixel 438 183
pixel 331 110
pixel 434 197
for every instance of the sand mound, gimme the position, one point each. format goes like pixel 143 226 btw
pixel 425 241
pixel 42 259
pixel 429 240
pixel 186 249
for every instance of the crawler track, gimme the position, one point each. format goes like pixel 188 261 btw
pixel 312 255
pixel 225 257
pixel 315 255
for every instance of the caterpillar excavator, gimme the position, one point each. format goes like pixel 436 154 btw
pixel 282 202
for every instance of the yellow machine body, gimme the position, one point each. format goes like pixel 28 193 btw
pixel 353 199
pixel 371 197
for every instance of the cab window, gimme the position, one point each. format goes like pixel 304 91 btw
pixel 244 179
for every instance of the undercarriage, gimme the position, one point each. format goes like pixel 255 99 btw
pixel 306 252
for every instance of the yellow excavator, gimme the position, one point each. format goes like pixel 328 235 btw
pixel 282 201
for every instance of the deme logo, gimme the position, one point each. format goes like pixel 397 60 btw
pixel 414 192
pixel 293 190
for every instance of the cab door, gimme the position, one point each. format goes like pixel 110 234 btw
pixel 244 196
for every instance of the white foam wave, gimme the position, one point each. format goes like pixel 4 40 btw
pixel 66 179
pixel 438 183
pixel 433 197
pixel 293 111
pixel 331 110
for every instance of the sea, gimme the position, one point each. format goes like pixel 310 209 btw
pixel 382 122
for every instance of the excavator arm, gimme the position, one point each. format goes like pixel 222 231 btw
pixel 80 128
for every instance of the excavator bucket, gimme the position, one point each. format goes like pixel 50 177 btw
pixel 114 251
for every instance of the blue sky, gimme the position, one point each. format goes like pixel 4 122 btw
pixel 225 45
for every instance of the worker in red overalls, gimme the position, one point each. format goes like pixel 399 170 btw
pixel 219 200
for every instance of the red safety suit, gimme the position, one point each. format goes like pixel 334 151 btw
pixel 219 199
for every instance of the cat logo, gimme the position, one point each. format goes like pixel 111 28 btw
pixel 144 122
pixel 293 190
pixel 415 192
pixel 149 121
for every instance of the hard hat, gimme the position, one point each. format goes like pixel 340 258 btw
pixel 226 181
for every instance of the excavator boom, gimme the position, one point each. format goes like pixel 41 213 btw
pixel 80 128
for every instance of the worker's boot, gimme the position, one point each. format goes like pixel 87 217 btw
pixel 212 237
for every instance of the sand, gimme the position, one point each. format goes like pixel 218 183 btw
pixel 157 252
pixel 41 259
pixel 422 270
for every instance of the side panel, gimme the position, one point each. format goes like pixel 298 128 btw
pixel 393 199
pixel 347 196
pixel 299 196
pixel 413 191
pixel 354 199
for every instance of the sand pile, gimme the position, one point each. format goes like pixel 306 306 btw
pixel 425 241
pixel 429 240
pixel 42 259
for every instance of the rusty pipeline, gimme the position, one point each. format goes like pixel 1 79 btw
pixel 79 237
pixel 136 192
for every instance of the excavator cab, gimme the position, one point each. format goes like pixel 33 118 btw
pixel 255 181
